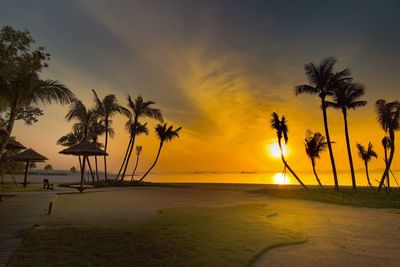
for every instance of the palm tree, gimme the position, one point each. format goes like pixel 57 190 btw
pixel 315 143
pixel 137 130
pixel 388 117
pixel 139 150
pixel 281 128
pixel 72 138
pixel 106 109
pixel 95 130
pixel 366 155
pixel 139 109
pixel 27 89
pixel 345 97
pixel 323 81
pixel 165 134
pixel 386 146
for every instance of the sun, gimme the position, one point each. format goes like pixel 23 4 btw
pixel 275 152
pixel 280 178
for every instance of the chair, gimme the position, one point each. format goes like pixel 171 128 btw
pixel 47 185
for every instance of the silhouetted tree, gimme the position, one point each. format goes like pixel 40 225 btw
pixel 139 109
pixel 48 167
pixel 388 117
pixel 281 128
pixel 138 152
pixel 164 134
pixel 386 146
pixel 315 143
pixel 107 108
pixel 73 170
pixel 366 155
pixel 323 81
pixel 345 97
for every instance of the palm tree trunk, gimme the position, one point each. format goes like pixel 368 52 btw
pixel 105 149
pixel 97 169
pixel 83 171
pixel 90 169
pixel 25 183
pixel 367 172
pixel 328 139
pixel 386 162
pixel 316 175
pixel 123 162
pixel 288 167
pixel 154 164
pixel 10 127
pixel 391 155
pixel 134 169
pixel 346 131
pixel 80 162
pixel 129 154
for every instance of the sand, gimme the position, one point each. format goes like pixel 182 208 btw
pixel 337 235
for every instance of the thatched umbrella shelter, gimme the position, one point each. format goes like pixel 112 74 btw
pixel 85 149
pixel 28 156
pixel 14 145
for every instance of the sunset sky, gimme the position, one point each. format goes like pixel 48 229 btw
pixel 216 68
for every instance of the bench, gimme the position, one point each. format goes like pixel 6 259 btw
pixel 47 184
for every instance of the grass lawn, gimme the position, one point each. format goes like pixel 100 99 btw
pixel 6 188
pixel 361 198
pixel 217 237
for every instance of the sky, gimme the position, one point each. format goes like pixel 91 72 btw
pixel 216 68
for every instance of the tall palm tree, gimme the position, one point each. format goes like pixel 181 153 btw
pixel 96 129
pixel 386 146
pixel 139 109
pixel 72 138
pixel 139 150
pixel 133 129
pixel 345 97
pixel 106 109
pixel 366 155
pixel 322 81
pixel 26 89
pixel 281 128
pixel 315 143
pixel 388 117
pixel 164 134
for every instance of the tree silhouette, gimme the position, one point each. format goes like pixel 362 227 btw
pixel 281 128
pixel 139 150
pixel 345 97
pixel 386 146
pixel 315 143
pixel 106 109
pixel 388 117
pixel 164 134
pixel 366 155
pixel 323 81
pixel 139 109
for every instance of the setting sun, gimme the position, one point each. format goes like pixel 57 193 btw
pixel 280 178
pixel 275 152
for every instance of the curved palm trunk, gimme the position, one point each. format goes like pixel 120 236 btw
pixel 367 172
pixel 315 174
pixel 288 167
pixel 123 162
pixel 391 155
pixel 346 131
pixel 97 169
pixel 105 149
pixel 130 151
pixel 10 127
pixel 386 162
pixel 134 170
pixel 90 168
pixel 328 139
pixel 154 164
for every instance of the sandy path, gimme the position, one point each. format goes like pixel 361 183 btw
pixel 338 235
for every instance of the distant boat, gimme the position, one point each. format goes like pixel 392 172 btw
pixel 243 172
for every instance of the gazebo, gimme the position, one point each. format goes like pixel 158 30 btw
pixel 28 156
pixel 85 149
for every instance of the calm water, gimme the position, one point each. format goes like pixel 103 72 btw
pixel 249 178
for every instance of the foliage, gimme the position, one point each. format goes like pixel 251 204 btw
pixel 73 169
pixel 48 167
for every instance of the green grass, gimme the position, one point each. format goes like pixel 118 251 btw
pixel 361 198
pixel 113 183
pixel 217 237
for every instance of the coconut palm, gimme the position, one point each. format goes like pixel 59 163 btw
pixel 386 146
pixel 139 109
pixel 322 81
pixel 139 150
pixel 345 97
pixel 137 130
pixel 106 109
pixel 164 134
pixel 315 143
pixel 72 138
pixel 96 129
pixel 366 155
pixel 388 117
pixel 280 125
